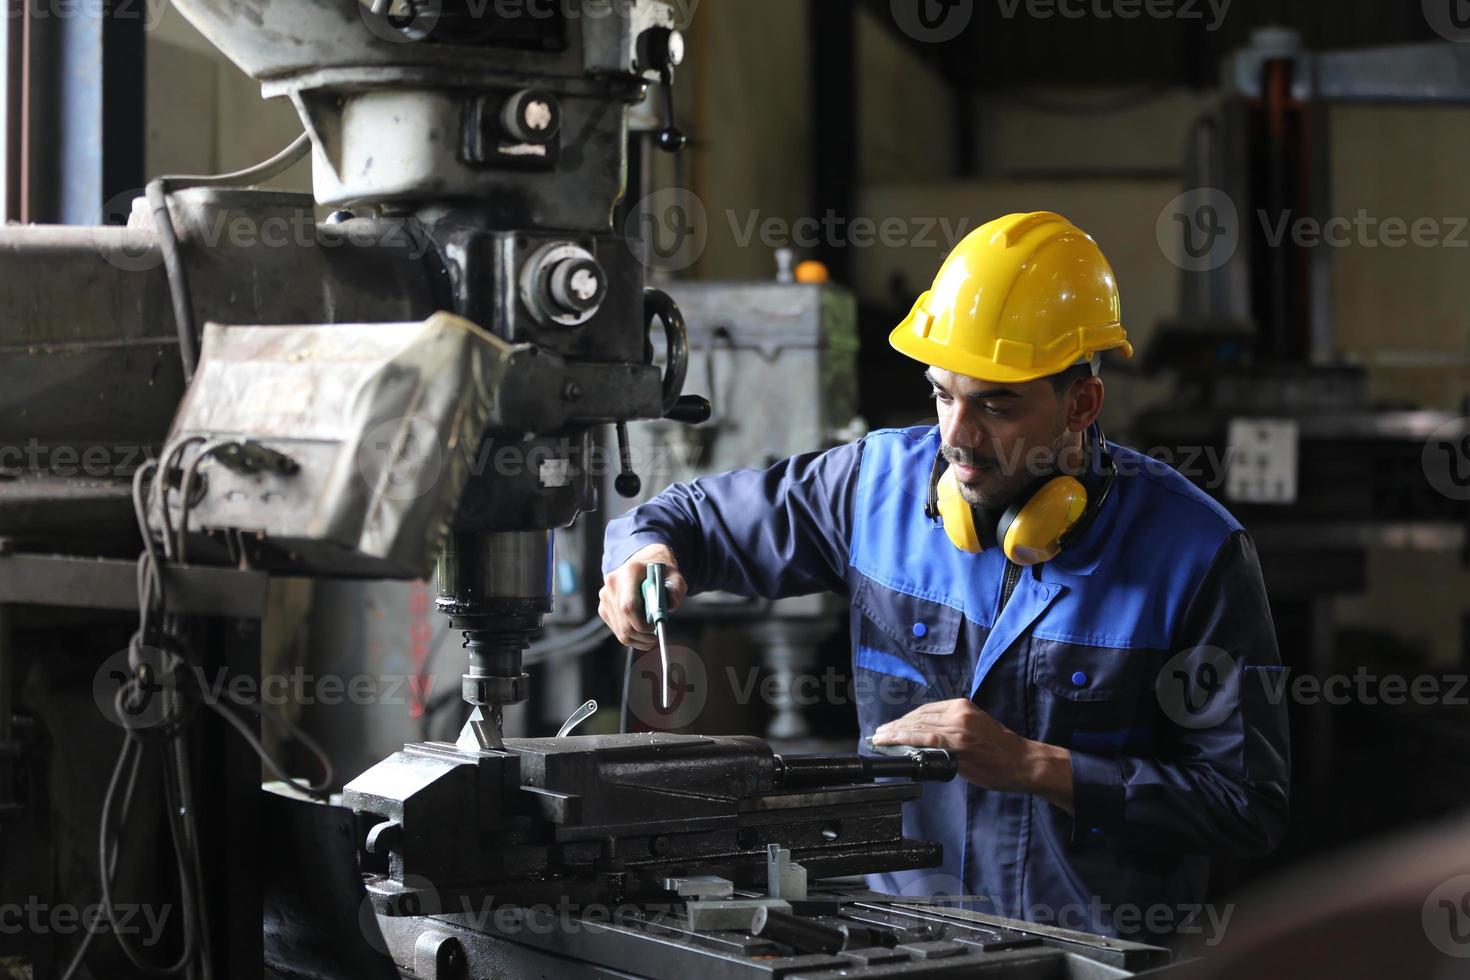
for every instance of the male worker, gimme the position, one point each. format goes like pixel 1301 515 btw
pixel 1080 625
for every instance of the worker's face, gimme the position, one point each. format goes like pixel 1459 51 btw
pixel 998 438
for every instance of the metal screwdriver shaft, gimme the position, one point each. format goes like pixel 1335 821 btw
pixel 656 611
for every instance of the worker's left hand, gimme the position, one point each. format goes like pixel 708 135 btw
pixel 989 753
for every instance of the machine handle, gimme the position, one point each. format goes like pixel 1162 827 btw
pixel 690 409
pixel 659 304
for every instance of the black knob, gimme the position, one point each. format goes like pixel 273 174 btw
pixel 628 484
pixel 671 139
pixel 531 116
pixel 690 409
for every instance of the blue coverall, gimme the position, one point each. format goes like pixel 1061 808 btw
pixel 1083 652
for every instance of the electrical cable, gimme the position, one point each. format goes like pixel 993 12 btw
pixel 180 701
pixel 178 780
pixel 161 488
pixel 588 636
pixel 317 790
pixel 157 193
pixel 186 488
pixel 92 929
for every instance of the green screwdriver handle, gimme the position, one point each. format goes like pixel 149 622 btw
pixel 655 594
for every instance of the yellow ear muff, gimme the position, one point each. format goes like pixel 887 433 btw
pixel 1034 533
pixel 958 516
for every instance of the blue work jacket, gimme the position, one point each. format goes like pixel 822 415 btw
pixel 1144 649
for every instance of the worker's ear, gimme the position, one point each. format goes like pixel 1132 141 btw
pixel 1083 403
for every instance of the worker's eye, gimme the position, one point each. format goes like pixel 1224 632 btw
pixel 997 411
pixel 940 395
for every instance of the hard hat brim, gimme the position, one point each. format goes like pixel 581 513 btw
pixel 909 341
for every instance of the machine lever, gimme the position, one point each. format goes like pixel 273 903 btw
pixel 576 718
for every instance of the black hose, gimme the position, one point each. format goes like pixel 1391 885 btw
pixel 625 708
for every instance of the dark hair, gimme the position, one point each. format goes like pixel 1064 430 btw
pixel 1062 381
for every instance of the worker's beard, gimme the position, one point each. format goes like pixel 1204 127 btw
pixel 1003 480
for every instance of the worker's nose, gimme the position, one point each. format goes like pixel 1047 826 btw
pixel 958 427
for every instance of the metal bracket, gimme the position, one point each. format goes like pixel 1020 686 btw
pixel 785 879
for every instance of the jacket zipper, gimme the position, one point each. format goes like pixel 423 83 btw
pixel 1008 584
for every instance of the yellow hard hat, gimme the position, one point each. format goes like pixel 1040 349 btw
pixel 1021 297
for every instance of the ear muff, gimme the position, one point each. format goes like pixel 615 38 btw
pixel 1031 530
pixel 957 514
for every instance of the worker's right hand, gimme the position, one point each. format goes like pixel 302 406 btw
pixel 620 603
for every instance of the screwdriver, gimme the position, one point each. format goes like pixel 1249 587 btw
pixel 656 611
